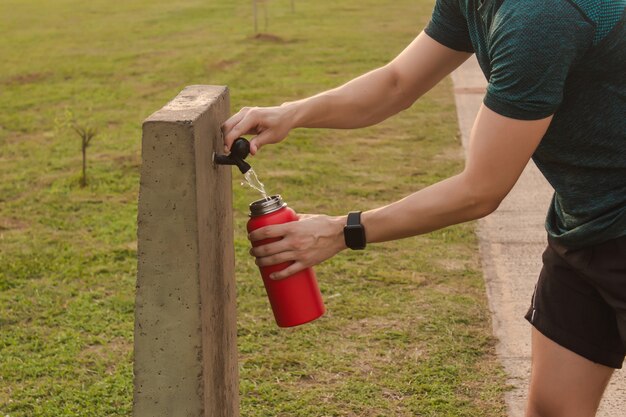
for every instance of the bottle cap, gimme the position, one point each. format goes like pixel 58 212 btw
pixel 266 206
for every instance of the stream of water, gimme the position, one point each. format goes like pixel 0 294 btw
pixel 252 181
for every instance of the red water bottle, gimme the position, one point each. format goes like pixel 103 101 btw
pixel 297 299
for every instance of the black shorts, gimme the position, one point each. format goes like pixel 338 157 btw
pixel 580 300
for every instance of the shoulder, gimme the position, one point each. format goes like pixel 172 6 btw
pixel 541 22
pixel 544 13
pixel 603 14
pixel 599 15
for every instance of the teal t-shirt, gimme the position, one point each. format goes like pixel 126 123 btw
pixel 561 57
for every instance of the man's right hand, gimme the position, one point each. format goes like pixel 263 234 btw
pixel 269 124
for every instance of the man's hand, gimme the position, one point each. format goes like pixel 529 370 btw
pixel 307 242
pixel 269 124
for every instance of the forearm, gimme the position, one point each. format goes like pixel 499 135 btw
pixel 443 204
pixel 363 101
pixel 381 93
pixel 498 151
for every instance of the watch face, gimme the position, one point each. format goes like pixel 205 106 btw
pixel 355 236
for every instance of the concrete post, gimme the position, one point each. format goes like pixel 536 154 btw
pixel 185 327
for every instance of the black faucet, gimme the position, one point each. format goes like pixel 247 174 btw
pixel 239 150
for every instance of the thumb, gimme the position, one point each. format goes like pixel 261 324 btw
pixel 245 126
pixel 258 141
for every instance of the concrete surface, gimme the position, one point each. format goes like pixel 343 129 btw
pixel 512 240
pixel 185 357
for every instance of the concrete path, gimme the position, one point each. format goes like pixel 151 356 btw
pixel 511 242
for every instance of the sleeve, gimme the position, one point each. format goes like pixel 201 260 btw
pixel 531 51
pixel 448 26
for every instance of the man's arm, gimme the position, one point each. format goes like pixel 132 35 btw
pixel 363 101
pixel 383 92
pixel 499 149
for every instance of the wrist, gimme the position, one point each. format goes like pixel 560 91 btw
pixel 292 113
pixel 339 222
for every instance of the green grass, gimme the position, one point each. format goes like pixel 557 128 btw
pixel 407 330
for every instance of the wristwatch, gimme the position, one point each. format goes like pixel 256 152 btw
pixel 354 232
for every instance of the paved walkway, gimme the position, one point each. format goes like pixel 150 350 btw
pixel 511 242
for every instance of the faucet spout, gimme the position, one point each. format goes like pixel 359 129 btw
pixel 242 165
pixel 239 151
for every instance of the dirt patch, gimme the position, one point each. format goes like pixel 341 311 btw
pixel 224 64
pixel 131 246
pixel 12 223
pixel 129 160
pixel 29 78
pixel 110 353
pixel 451 264
pixel 268 37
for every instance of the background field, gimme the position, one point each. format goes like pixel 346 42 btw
pixel 407 331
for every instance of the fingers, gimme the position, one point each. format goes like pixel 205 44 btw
pixel 281 258
pixel 270 249
pixel 228 125
pixel 276 252
pixel 278 258
pixel 238 125
pixel 234 119
pixel 258 141
pixel 269 124
pixel 304 216
pixel 268 232
pixel 289 271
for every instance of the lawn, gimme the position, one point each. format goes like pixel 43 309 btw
pixel 407 331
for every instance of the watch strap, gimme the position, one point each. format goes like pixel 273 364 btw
pixel 354 232
pixel 354 218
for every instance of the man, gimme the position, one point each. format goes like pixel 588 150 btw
pixel 556 93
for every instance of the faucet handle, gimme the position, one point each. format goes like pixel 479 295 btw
pixel 240 148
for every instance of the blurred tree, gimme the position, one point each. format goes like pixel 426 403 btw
pixel 86 134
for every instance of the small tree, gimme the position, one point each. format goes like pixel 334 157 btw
pixel 255 12
pixel 86 134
